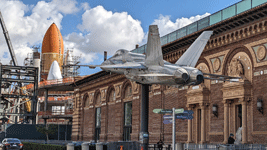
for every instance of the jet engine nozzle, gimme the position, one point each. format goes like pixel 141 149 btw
pixel 196 77
pixel 200 79
pixel 181 76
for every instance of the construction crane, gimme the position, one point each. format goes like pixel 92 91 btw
pixel 11 50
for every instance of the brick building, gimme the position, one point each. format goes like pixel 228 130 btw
pixel 107 106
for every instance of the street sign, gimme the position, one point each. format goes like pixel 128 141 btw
pixel 162 111
pixel 180 110
pixel 167 121
pixel 167 117
pixel 187 114
pixel 168 111
pixel 189 117
pixel 181 117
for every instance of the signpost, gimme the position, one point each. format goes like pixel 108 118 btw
pixel 173 129
pixel 168 111
pixel 176 114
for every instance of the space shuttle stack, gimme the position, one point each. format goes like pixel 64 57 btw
pixel 52 50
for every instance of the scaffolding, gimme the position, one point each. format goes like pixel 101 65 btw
pixel 28 61
pixel 17 104
pixel 70 68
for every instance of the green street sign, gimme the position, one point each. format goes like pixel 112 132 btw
pixel 168 111
pixel 180 110
pixel 162 111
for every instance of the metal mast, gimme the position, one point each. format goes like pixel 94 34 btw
pixel 11 50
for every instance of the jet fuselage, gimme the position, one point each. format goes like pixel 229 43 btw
pixel 168 74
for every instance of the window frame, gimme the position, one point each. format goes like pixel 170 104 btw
pixel 127 128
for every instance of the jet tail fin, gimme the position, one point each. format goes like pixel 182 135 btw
pixel 153 52
pixel 192 54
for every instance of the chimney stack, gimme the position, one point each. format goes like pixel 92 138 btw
pixel 105 55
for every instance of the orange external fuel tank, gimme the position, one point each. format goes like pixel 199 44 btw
pixel 52 49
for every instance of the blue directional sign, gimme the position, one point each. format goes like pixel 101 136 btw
pixel 187 114
pixel 167 121
pixel 181 117
pixel 189 117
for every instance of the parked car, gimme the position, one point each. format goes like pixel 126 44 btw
pixel 11 144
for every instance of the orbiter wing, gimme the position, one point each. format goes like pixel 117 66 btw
pixel 192 54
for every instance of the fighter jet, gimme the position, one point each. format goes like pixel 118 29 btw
pixel 152 69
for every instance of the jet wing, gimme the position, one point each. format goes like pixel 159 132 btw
pixel 90 66
pixel 192 54
pixel 127 65
pixel 221 77
pixel 155 75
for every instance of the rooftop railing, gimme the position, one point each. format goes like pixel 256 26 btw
pixel 52 82
pixel 56 98
pixel 214 18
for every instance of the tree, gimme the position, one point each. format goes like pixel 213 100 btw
pixel 48 129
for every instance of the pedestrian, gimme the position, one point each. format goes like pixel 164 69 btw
pixel 160 144
pixel 231 139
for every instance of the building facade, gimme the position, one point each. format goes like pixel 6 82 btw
pixel 107 106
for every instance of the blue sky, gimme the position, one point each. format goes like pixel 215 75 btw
pixel 90 27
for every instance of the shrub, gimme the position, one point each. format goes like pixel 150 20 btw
pixel 38 146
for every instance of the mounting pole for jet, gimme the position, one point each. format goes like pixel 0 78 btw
pixel 144 135
pixel 11 50
pixel 173 129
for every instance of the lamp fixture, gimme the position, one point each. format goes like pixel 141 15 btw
pixel 259 105
pixel 215 110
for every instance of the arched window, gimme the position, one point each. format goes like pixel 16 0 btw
pixel 128 91
pixel 112 96
pixel 86 103
pixel 98 98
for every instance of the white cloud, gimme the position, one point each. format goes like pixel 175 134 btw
pixel 167 26
pixel 107 31
pixel 65 6
pixel 28 30
pixel 79 43
pixel 101 30
pixel 85 6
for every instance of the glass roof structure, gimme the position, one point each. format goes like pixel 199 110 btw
pixel 214 18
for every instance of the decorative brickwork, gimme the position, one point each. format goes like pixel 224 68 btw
pixel 229 52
